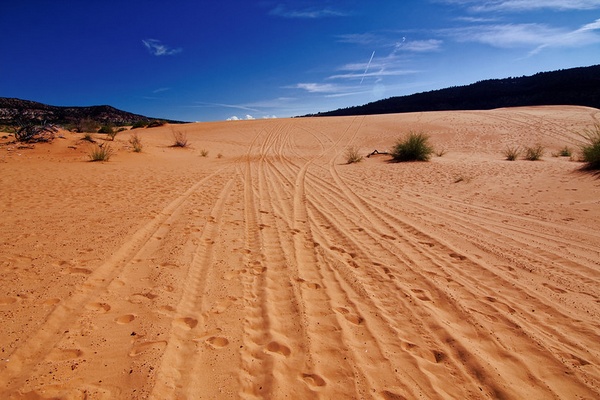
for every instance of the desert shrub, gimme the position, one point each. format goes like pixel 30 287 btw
pixel 106 129
pixel 440 152
pixel 414 147
pixel 139 124
pixel 86 125
pixel 534 153
pixel 352 155
pixel 203 153
pixel 590 151
pixel 136 143
pixel 219 155
pixel 32 133
pixel 155 123
pixel 110 131
pixel 511 153
pixel 88 137
pixel 565 152
pixel 101 153
pixel 179 139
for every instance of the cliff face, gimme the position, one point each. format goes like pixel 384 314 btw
pixel 16 111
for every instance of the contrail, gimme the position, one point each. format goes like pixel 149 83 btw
pixel 366 69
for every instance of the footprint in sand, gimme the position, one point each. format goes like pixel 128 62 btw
pixel 350 317
pixel 100 307
pixel 433 356
pixel 125 319
pixel 78 271
pixel 64 354
pixel 387 395
pixel 313 285
pixel 457 256
pixel 421 294
pixel 216 342
pixel 146 346
pixel 4 301
pixel 313 381
pixel 187 322
pixel 278 348
pixel 51 302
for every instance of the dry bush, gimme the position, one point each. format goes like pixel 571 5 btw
pixel 352 155
pixel 534 153
pixel 136 143
pixel 180 139
pixel 101 152
pixel 511 153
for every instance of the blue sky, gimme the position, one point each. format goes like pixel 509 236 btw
pixel 214 60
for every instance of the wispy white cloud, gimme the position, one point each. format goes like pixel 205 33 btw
pixel 526 5
pixel 160 90
pixel 307 13
pixel 236 106
pixel 378 74
pixel 318 87
pixel 157 48
pixel 380 40
pixel 421 45
pixel 360 38
pixel 527 35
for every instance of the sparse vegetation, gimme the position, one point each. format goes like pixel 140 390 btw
pixel 155 123
pixel 203 153
pixel 414 147
pixel 86 125
pixel 591 150
pixel 352 155
pixel 32 133
pixel 109 130
pixel 565 152
pixel 88 137
pixel 534 153
pixel 511 153
pixel 136 143
pixel 139 124
pixel 440 152
pixel 106 129
pixel 101 152
pixel 219 155
pixel 180 139
pixel 462 178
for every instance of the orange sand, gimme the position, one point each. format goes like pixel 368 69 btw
pixel 278 271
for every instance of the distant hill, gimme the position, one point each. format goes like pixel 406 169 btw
pixel 576 86
pixel 16 111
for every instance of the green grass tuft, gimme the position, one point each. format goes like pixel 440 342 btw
pixel 414 147
pixel 591 150
pixel 101 153
pixel 534 153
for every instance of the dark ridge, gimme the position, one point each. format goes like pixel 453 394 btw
pixel 575 86
pixel 15 112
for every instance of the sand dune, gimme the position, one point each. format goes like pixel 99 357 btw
pixel 275 270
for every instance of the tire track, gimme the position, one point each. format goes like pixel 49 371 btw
pixel 178 369
pixel 65 314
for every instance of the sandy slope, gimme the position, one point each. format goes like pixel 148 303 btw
pixel 277 271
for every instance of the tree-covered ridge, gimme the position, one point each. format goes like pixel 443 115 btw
pixel 575 86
